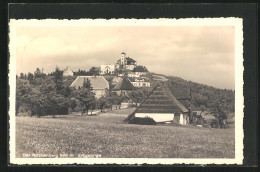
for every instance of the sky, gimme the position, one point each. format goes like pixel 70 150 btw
pixel 203 54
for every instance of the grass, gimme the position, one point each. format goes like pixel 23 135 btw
pixel 107 135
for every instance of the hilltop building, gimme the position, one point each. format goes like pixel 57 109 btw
pixel 67 72
pixel 107 69
pixel 126 62
pixel 98 83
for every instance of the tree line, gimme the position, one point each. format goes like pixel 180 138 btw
pixel 40 94
pixel 220 102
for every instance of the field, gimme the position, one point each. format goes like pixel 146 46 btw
pixel 107 136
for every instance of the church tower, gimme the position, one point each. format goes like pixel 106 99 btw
pixel 123 59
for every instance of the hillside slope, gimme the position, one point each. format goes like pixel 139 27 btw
pixel 203 97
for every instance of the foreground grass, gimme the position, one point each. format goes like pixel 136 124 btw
pixel 108 136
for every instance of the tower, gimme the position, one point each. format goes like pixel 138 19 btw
pixel 123 60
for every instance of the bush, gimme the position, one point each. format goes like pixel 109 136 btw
pixel 142 121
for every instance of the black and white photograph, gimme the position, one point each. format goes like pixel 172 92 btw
pixel 126 91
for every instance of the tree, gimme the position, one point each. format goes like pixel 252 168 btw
pixel 93 71
pixel 119 100
pixel 73 104
pixel 58 76
pixel 102 102
pixel 89 102
pixel 85 96
pixel 87 84
pixel 93 106
pixel 30 77
pixel 37 73
pixel 57 103
pixel 220 114
pixel 23 89
pixel 41 98
pixel 22 76
pixel 136 96
pixel 110 101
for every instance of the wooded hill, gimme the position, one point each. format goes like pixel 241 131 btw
pixel 203 97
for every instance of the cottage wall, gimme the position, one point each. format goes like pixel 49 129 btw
pixel 157 117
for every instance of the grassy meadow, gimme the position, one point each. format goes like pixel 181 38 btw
pixel 106 134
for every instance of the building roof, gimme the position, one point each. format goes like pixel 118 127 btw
pixel 160 101
pixel 124 84
pixel 128 59
pixel 97 82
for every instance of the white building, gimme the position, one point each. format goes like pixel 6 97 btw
pixel 107 69
pixel 130 67
pixel 133 75
pixel 67 72
pixel 140 73
pixel 126 62
pixel 140 82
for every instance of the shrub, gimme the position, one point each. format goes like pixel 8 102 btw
pixel 142 121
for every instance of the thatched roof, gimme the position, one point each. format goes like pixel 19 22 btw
pixel 159 101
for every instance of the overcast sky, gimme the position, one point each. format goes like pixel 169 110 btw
pixel 201 54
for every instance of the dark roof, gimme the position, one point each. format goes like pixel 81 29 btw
pixel 123 53
pixel 160 100
pixel 97 82
pixel 128 59
pixel 124 84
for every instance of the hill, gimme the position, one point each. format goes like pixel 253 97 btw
pixel 203 97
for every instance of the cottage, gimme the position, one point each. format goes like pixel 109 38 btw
pixel 161 106
pixel 98 83
pixel 123 87
pixel 67 72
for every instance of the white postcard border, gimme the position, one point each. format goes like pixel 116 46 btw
pixel 239 98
